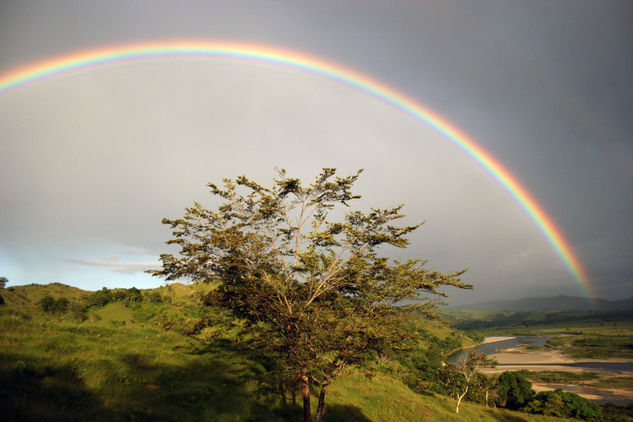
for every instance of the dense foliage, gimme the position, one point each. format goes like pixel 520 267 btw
pixel 564 405
pixel 514 390
pixel 50 304
pixel 313 289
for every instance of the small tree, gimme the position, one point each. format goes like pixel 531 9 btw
pixel 3 283
pixel 466 372
pixel 488 384
pixel 316 290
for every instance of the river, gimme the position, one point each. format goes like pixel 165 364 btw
pixel 497 346
pixel 494 346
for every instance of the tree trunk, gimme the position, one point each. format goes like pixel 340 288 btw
pixel 305 391
pixel 282 391
pixel 459 400
pixel 486 397
pixel 321 404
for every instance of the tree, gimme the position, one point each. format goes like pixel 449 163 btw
pixel 487 384
pixel 564 405
pixel 466 372
pixel 315 290
pixel 514 390
pixel 3 283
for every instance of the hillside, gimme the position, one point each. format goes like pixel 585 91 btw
pixel 127 358
pixel 550 304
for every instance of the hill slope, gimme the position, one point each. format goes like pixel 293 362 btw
pixel 128 359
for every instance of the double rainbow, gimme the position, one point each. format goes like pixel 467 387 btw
pixel 250 52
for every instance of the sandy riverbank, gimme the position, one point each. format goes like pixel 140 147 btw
pixel 519 358
pixel 497 338
pixel 585 389
pixel 539 360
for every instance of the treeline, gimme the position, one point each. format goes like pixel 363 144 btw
pixel 513 391
pixel 526 319
pixel 79 308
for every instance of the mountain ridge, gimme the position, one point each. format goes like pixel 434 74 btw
pixel 549 304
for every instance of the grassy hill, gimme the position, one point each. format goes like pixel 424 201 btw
pixel 129 360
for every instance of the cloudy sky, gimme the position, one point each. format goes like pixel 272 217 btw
pixel 91 161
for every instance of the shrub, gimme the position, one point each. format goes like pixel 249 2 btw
pixel 46 303
pixel 50 304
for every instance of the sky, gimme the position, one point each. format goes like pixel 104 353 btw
pixel 91 161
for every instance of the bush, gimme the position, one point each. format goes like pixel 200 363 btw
pixel 153 297
pixel 60 305
pixel 78 311
pixel 46 303
pixel 100 298
pixel 50 304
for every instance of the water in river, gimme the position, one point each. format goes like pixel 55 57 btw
pixel 493 347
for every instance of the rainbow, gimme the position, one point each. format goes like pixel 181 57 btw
pixel 251 52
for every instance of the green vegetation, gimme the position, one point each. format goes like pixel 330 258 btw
pixel 303 277
pixel 50 304
pixel 581 335
pixel 532 347
pixel 593 335
pixel 601 346
pixel 557 342
pixel 565 405
pixel 3 283
pixel 615 382
pixel 560 376
pixel 515 391
pixel 526 323
pixel 143 367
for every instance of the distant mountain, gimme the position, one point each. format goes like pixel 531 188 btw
pixel 550 304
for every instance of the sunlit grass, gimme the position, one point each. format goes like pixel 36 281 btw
pixel 134 363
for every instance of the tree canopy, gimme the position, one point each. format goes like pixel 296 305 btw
pixel 314 288
pixel 515 390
